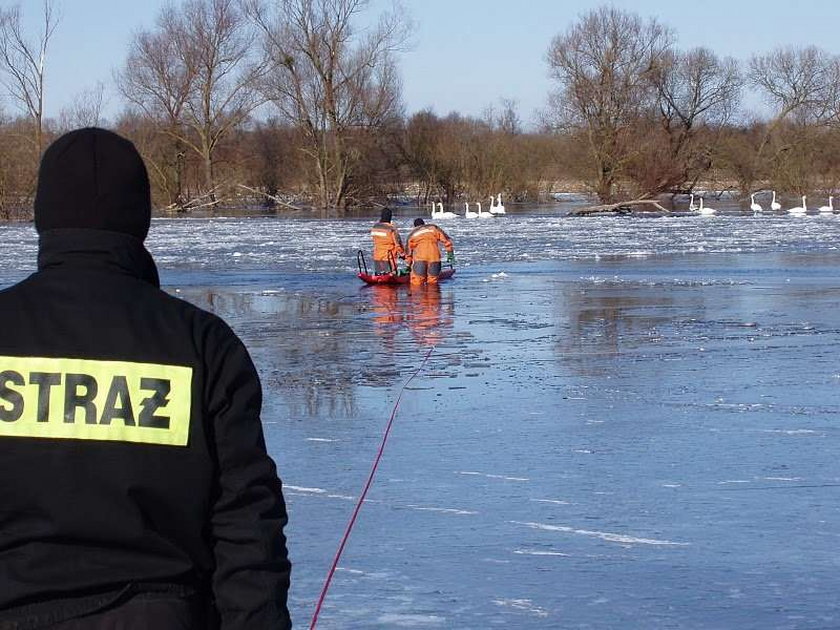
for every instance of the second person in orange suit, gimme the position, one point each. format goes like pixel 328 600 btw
pixel 423 250
pixel 387 244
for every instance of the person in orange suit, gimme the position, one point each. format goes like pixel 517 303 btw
pixel 387 244
pixel 423 251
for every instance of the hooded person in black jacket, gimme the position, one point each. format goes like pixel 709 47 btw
pixel 135 487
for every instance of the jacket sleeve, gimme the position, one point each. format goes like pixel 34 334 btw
pixel 398 243
pixel 251 578
pixel 409 245
pixel 443 237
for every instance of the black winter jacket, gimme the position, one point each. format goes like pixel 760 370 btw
pixel 132 455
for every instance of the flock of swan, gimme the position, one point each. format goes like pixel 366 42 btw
pixel 774 205
pixel 496 208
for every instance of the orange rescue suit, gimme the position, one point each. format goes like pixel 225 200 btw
pixel 387 244
pixel 422 243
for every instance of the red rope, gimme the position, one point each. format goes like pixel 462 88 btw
pixel 364 493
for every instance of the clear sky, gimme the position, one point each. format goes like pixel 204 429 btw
pixel 466 54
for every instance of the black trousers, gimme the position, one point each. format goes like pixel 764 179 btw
pixel 145 612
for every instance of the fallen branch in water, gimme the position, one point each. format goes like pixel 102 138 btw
pixel 622 207
pixel 274 198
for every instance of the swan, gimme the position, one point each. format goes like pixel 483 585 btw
pixel 499 208
pixel 705 210
pixel 799 210
pixel 440 214
pixel 775 205
pixel 482 215
pixel 469 214
pixel 829 208
pixel 754 206
pixel 691 205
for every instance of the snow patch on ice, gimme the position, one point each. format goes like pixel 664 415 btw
pixel 299 490
pixel 488 476
pixel 531 552
pixel 409 621
pixel 607 536
pixel 421 508
pixel 781 478
pixel 304 489
pixel 522 604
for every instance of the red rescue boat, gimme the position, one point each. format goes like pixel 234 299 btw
pixel 391 278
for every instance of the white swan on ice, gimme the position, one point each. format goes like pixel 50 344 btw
pixel 440 214
pixel 705 210
pixel 829 209
pixel 691 205
pixel 753 205
pixel 499 208
pixel 799 210
pixel 483 214
pixel 469 214
pixel 775 205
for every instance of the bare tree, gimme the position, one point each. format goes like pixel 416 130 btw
pixel 795 81
pixel 24 65
pixel 157 81
pixel 694 88
pixel 798 84
pixel 85 110
pixel 602 65
pixel 334 84
pixel 217 40
pixel 833 97
pixel 156 78
pixel 195 74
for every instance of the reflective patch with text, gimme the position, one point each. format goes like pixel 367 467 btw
pixel 83 399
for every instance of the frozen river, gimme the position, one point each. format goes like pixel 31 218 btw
pixel 623 422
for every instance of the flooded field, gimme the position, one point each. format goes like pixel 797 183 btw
pixel 617 422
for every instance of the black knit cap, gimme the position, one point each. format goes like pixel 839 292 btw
pixel 385 215
pixel 93 178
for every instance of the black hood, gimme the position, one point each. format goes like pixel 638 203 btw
pixel 98 250
pixel 94 179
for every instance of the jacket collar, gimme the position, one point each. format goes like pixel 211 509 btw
pixel 99 250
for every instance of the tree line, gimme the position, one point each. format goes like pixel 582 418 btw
pixel 289 103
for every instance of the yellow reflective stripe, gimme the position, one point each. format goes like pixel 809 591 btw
pixel 83 399
pixel 422 231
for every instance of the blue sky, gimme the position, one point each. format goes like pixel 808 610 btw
pixel 466 54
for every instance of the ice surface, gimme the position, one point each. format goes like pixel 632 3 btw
pixel 263 245
pixel 625 422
